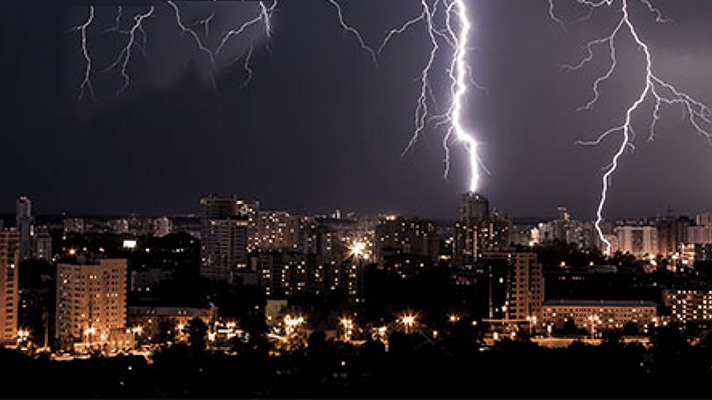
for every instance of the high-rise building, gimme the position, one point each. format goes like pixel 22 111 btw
pixel 672 232
pixel 274 230
pixel 704 219
pixel 639 241
pixel 479 229
pixel 24 225
pixel 474 208
pixel 523 281
pixel 91 304
pixel 162 226
pixel 526 287
pixel 224 237
pixel 406 243
pixel 42 245
pixel 73 225
pixel 689 305
pixel 9 287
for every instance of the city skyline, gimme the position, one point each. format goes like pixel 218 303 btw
pixel 241 140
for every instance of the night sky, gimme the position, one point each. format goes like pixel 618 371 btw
pixel 320 127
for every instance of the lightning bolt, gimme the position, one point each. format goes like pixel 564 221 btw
pixel 86 85
pixel 656 90
pixel 124 56
pixel 456 36
pixel 353 31
pixel 453 38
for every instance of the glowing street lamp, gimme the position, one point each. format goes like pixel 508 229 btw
pixel 348 325
pixel 594 319
pixel 22 336
pixel 408 321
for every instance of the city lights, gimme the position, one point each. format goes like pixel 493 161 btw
pixel 408 321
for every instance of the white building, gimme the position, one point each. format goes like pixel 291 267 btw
pixel 639 241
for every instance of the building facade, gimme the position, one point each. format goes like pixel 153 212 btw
pixel 598 315
pixel 24 224
pixel 689 305
pixel 639 241
pixel 224 237
pixel 9 285
pixel 478 229
pixel 91 304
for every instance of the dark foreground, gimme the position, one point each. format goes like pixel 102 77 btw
pixel 411 368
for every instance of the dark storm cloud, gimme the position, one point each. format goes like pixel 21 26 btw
pixel 320 127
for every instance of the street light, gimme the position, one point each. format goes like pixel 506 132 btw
pixel 88 333
pixel 22 336
pixel 136 330
pixel 593 319
pixel 348 325
pixel 408 321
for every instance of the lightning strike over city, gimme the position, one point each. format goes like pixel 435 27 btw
pixel 454 34
pixel 656 90
pixel 293 199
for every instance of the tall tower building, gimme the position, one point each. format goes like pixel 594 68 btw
pixel 479 229
pixel 524 292
pixel 91 304
pixel 9 275
pixel 24 221
pixel 474 208
pixel 224 236
pixel 526 288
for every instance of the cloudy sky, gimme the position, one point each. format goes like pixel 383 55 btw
pixel 321 127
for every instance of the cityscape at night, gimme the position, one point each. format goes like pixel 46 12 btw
pixel 356 198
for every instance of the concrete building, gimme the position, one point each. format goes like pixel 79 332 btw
pixel 224 237
pixel 704 219
pixel 149 319
pixel 639 241
pixel 404 245
pixel 145 280
pixel 91 304
pixel 42 245
pixel 699 235
pixel 273 230
pixel 162 226
pixel 9 287
pixel 478 230
pixel 74 225
pixel 523 283
pixel 672 232
pixel 598 315
pixel 689 305
pixel 24 224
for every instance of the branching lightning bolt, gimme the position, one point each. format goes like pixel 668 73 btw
pixel 459 73
pixel 86 85
pixel 125 54
pixel 656 90
pixel 353 31
pixel 137 37
pixel 453 38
